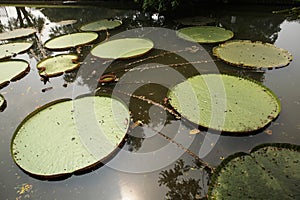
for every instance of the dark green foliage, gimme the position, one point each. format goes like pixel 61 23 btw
pixel 158 5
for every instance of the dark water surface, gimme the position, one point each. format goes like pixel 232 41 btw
pixel 138 172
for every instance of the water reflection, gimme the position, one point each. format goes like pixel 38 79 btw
pixel 182 179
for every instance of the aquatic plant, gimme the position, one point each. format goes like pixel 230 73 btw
pixel 49 143
pixel 12 70
pixel 57 65
pixel 17 33
pixel 269 171
pixel 225 103
pixel 70 40
pixel 101 25
pixel 2 103
pixel 252 55
pixel 10 49
pixel 123 48
pixel 205 34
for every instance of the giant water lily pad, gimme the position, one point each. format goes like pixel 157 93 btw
pixel 57 65
pixel 253 55
pixel 10 49
pixel 51 141
pixel 270 171
pixel 2 103
pixel 17 33
pixel 101 25
pixel 71 40
pixel 123 48
pixel 205 34
pixel 225 103
pixel 12 70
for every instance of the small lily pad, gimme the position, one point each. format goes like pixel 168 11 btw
pixel 2 103
pixel 205 34
pixel 71 40
pixel 270 171
pixel 225 103
pixel 10 49
pixel 57 65
pixel 252 55
pixel 48 142
pixel 101 25
pixel 123 48
pixel 12 70
pixel 17 33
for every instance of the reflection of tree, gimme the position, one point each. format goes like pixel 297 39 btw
pixel 181 184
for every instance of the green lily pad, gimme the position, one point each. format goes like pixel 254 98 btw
pixel 101 25
pixel 12 70
pixel 225 103
pixel 205 34
pixel 2 103
pixel 123 48
pixel 10 49
pixel 270 171
pixel 17 33
pixel 71 40
pixel 48 142
pixel 253 55
pixel 57 65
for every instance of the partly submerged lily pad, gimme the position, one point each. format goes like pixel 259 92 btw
pixel 225 103
pixel 49 143
pixel 10 49
pixel 71 40
pixel 17 33
pixel 101 25
pixel 123 48
pixel 57 65
pixel 196 21
pixel 2 103
pixel 270 171
pixel 12 70
pixel 253 55
pixel 205 34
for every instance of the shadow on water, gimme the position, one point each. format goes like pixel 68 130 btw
pixel 178 176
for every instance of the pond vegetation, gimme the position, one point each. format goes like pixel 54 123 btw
pixel 109 80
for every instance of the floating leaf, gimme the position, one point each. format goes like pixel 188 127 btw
pixel 12 70
pixel 49 143
pixel 123 48
pixel 71 40
pixel 101 25
pixel 57 65
pixel 196 21
pixel 10 49
pixel 253 55
pixel 270 171
pixel 205 34
pixel 17 33
pixel 66 22
pixel 2 103
pixel 225 103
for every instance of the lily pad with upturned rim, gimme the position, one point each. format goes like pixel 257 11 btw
pixel 123 48
pixel 48 142
pixel 12 70
pixel 70 40
pixel 270 171
pixel 225 103
pixel 10 49
pixel 2 103
pixel 205 34
pixel 252 55
pixel 57 65
pixel 17 33
pixel 101 25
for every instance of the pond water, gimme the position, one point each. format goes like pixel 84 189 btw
pixel 150 166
